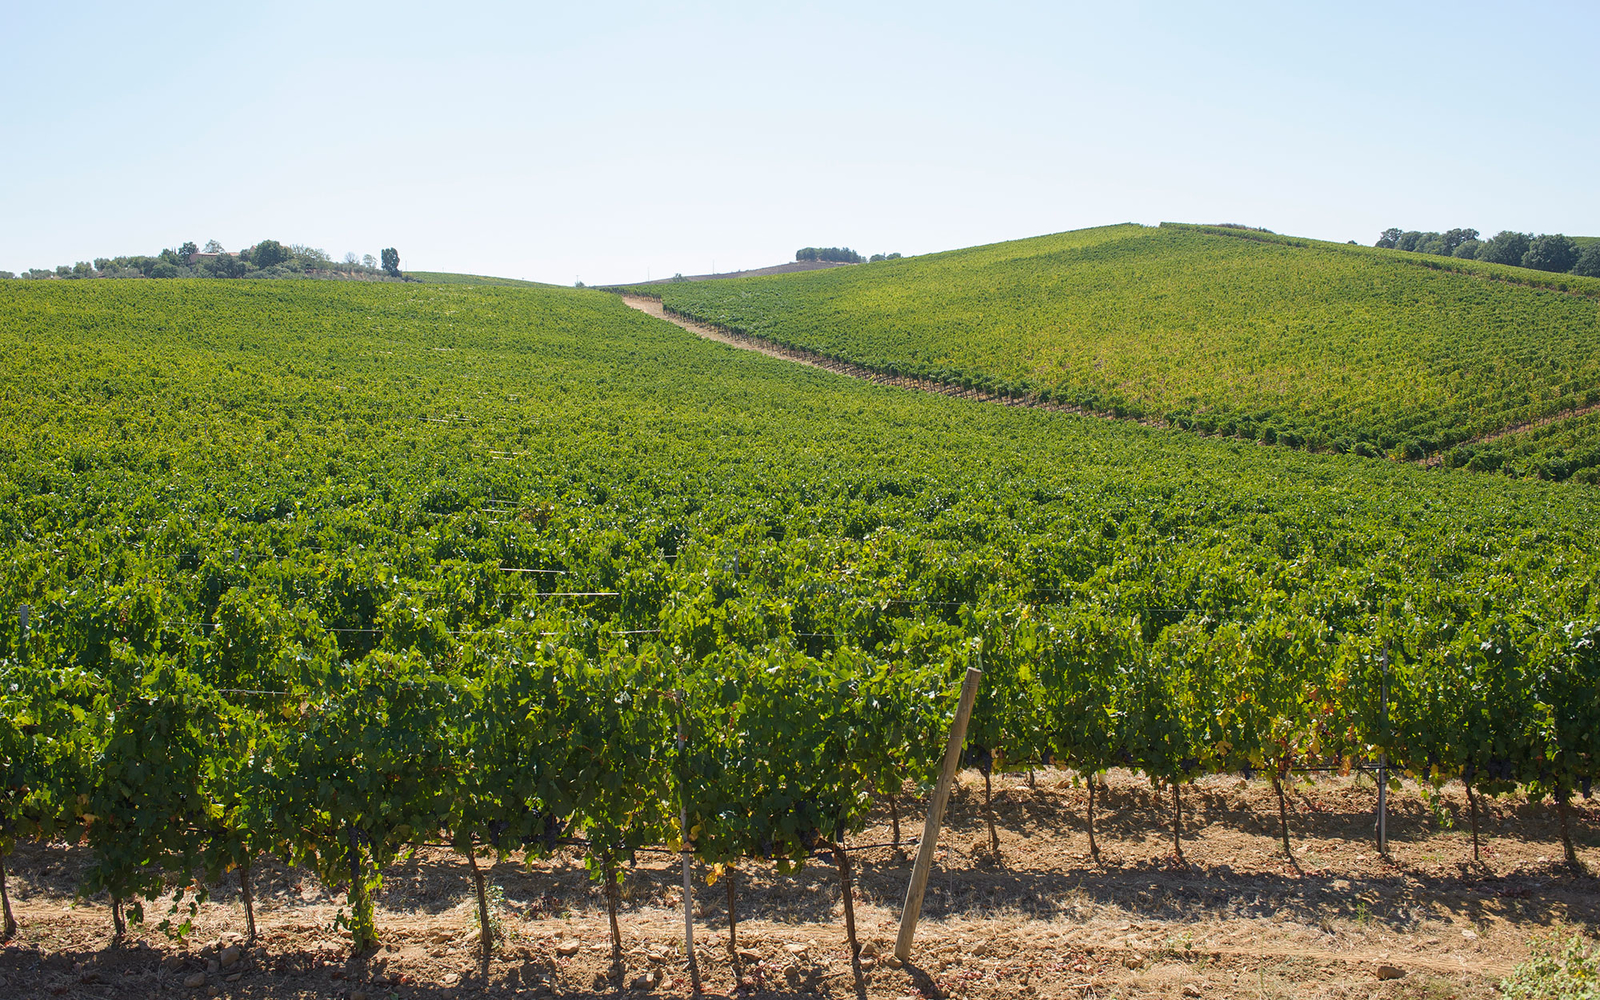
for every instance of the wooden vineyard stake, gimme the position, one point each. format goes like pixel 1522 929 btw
pixel 1383 758
pixel 930 831
pixel 688 883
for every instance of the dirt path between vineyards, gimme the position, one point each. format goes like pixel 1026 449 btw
pixel 654 307
pixel 1042 920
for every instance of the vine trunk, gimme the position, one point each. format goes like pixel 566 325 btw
pixel 850 918
pixel 10 927
pixel 485 931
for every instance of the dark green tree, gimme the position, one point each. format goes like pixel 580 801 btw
pixel 1551 252
pixel 1588 263
pixel 391 262
pixel 1507 247
pixel 1388 239
pixel 224 266
pixel 840 255
pixel 269 253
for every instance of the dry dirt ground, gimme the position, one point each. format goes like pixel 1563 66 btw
pixel 1042 919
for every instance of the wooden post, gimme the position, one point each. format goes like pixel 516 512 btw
pixel 930 830
pixel 688 855
pixel 1383 757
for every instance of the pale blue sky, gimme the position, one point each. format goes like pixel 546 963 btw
pixel 613 141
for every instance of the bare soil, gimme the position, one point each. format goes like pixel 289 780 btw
pixel 1043 919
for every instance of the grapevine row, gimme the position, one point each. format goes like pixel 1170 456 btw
pixel 523 745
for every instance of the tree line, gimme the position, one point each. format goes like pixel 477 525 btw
pixel 840 255
pixel 267 259
pixel 1546 252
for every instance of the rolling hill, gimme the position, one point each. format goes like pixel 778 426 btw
pixel 451 278
pixel 1225 331
pixel 452 562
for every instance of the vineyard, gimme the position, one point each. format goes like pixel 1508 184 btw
pixel 1228 332
pixel 327 572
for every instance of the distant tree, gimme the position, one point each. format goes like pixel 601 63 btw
pixel 63 271
pixel 212 246
pixel 842 255
pixel 269 253
pixel 6 276
pixel 351 258
pixel 369 262
pixel 1412 239
pixel 1507 247
pixel 82 269
pixel 391 262
pixel 188 250
pixel 1551 252
pixel 1389 238
pixel 164 269
pixel 1588 263
pixel 102 263
pixel 875 258
pixel 1434 243
pixel 1456 237
pixel 893 256
pixel 1468 250
pixel 224 266
pixel 311 258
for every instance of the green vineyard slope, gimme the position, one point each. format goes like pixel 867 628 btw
pixel 1233 332
pixel 327 570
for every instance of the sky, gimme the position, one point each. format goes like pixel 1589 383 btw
pixel 612 142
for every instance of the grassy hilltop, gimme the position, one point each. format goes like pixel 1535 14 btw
pixel 451 278
pixel 1236 332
